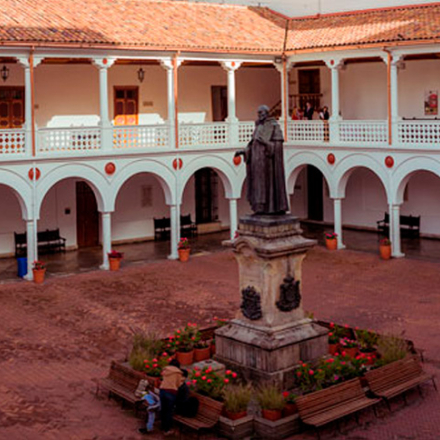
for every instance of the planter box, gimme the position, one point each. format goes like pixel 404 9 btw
pixel 278 430
pixel 236 429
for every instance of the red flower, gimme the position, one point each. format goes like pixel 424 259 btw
pixel 203 377
pixel 285 394
pixel 311 372
pixel 226 380
pixel 234 375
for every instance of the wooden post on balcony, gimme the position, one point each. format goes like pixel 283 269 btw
pixel 106 127
pixel 231 67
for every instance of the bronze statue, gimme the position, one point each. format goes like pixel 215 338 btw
pixel 266 184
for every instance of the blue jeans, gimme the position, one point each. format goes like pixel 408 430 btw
pixel 167 404
pixel 151 417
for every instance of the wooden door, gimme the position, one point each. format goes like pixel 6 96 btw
pixel 11 107
pixel 126 106
pixel 315 197
pixel 219 99
pixel 87 216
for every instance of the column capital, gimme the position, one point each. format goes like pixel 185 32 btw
pixel 167 64
pixel 230 66
pixel 396 59
pixel 104 63
pixel 335 63
pixel 25 61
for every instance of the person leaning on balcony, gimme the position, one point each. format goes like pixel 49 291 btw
pixel 296 115
pixel 172 379
pixel 308 112
pixel 324 115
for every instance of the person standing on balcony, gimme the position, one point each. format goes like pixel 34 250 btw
pixel 296 116
pixel 308 112
pixel 324 115
pixel 264 158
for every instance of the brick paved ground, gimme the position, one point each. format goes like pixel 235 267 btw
pixel 55 338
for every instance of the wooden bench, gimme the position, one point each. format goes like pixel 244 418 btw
pixel 187 227
pixel 328 405
pixel 121 381
pixel 48 241
pixel 397 378
pixel 409 224
pixel 207 416
pixel 162 228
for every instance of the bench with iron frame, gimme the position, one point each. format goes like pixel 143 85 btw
pixel 187 227
pixel 48 241
pixel 162 228
pixel 331 404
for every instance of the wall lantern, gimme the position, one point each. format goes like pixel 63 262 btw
pixel 4 72
pixel 141 74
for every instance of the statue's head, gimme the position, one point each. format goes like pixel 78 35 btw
pixel 263 112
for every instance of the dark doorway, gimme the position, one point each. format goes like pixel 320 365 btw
pixel 219 98
pixel 315 197
pixel 309 88
pixel 87 216
pixel 206 184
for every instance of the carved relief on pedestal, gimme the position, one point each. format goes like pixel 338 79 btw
pixel 251 304
pixel 290 295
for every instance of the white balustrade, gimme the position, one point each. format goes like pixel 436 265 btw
pixel 307 131
pixel 419 132
pixel 12 141
pixel 363 132
pixel 62 140
pixel 140 136
pixel 208 134
pixel 245 131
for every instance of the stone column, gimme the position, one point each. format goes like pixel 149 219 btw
pixel 171 102
pixel 271 332
pixel 335 66
pixel 106 238
pixel 394 86
pixel 231 67
pixel 31 247
pixel 233 217
pixel 395 231
pixel 337 208
pixel 106 127
pixel 175 233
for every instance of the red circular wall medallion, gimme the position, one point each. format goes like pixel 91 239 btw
pixel 37 173
pixel 389 162
pixel 331 159
pixel 110 168
pixel 237 160
pixel 104 61
pixel 177 164
pixel 332 62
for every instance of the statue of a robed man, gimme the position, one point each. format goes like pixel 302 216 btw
pixel 266 184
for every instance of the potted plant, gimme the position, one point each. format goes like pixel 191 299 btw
pixel 208 383
pixel 114 259
pixel 39 271
pixel 184 340
pixel 349 346
pixel 290 407
pixel 367 341
pixel 385 249
pixel 145 346
pixel 183 249
pixel 333 342
pixel 331 240
pixel 202 350
pixel 271 401
pixel 154 367
pixel 236 399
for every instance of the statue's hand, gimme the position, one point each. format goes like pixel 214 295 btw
pixel 239 153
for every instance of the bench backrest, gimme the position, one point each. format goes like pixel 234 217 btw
pixel 209 409
pixel 409 220
pixel 162 223
pixel 321 401
pixel 125 376
pixel 48 235
pixel 20 238
pixel 185 220
pixel 393 374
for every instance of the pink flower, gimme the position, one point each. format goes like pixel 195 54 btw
pixel 346 326
pixel 209 380
pixel 177 331
pixel 330 334
pixel 343 363
pixel 194 381
pixel 226 381
pixel 298 373
pixel 285 394
pixel 332 324
pixel 197 374
pixel 188 383
pixel 234 375
pixel 154 360
pixel 311 372
pixel 170 359
pixel 164 354
pixel 203 377
pixel 155 365
pixel 228 372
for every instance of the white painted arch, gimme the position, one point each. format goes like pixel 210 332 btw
pixel 21 187
pixel 345 168
pixel 296 163
pixel 163 174
pixel 224 168
pixel 407 169
pixel 91 175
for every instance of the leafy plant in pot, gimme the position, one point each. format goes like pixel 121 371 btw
pixel 183 249
pixel 385 249
pixel 290 408
pixel 367 341
pixel 271 401
pixel 154 367
pixel 236 400
pixel 349 346
pixel 39 271
pixel 145 346
pixel 208 383
pixel 114 259
pixel 331 240
pixel 184 340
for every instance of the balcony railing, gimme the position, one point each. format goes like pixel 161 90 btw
pixel 208 134
pixel 307 132
pixel 363 132
pixel 68 140
pixel 426 133
pixel 12 142
pixel 140 136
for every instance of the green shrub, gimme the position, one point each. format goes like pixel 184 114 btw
pixel 145 346
pixel 391 348
pixel 237 397
pixel 270 397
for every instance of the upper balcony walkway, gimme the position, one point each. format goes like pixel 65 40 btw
pixel 85 141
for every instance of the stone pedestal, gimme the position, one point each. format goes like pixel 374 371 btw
pixel 270 334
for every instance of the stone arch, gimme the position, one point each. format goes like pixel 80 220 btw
pixel 349 164
pixel 163 174
pixel 21 187
pixel 94 178
pixel 299 161
pixel 406 170
pixel 220 165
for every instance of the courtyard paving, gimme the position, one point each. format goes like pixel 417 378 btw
pixel 55 338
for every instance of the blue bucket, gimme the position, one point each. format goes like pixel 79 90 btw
pixel 21 266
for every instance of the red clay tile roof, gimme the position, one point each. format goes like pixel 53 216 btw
pixel 406 23
pixel 142 23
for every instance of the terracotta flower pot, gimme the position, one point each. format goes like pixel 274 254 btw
pixel 115 263
pixel 385 252
pixel 331 244
pixel 184 255
pixel 333 349
pixel 271 414
pixel 185 358
pixel 235 415
pixel 370 356
pixel 201 354
pixel 352 352
pixel 290 409
pixel 39 275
